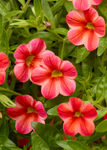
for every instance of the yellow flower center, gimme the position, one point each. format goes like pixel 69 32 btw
pixel 29 60
pixel 56 73
pixel 90 26
pixel 77 114
pixel 31 110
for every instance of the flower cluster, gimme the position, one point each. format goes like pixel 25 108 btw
pixel 55 76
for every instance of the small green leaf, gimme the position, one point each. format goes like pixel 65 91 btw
pixel 97 148
pixel 37 7
pixel 13 13
pixel 53 111
pixel 75 145
pixel 102 126
pixel 48 133
pixel 3 9
pixel 100 114
pixel 48 13
pixel 62 31
pixel 102 46
pixel 82 53
pixel 22 2
pixel 68 6
pixel 38 143
pixel 4 45
pixel 64 144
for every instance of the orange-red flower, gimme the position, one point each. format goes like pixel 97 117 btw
pixel 55 76
pixel 4 63
pixel 86 28
pixel 85 4
pixel 28 57
pixel 26 110
pixel 77 116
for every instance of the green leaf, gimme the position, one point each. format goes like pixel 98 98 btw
pixel 75 145
pixel 6 144
pixel 48 133
pixel 62 31
pixel 53 111
pixel 37 7
pixel 22 2
pixel 13 13
pixel 100 114
pixel 102 126
pixel 64 144
pixel 4 45
pixel 103 8
pixel 48 13
pixel 88 64
pixel 38 143
pixel 102 46
pixel 68 6
pixel 100 89
pixel 82 53
pixel 3 9
pixel 97 148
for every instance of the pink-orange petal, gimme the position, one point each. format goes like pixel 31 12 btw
pixel 40 75
pixel 89 111
pixel 91 15
pixel 96 2
pixel 52 62
pixel 68 69
pixel 76 104
pixel 4 61
pixel 91 41
pixel 21 72
pixel 50 88
pixel 77 35
pixel 70 126
pixel 36 46
pixel 40 110
pixel 2 77
pixel 22 52
pixel 75 19
pixel 67 86
pixel 99 26
pixel 65 111
pixel 82 4
pixel 86 128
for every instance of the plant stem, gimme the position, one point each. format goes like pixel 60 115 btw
pixel 8 90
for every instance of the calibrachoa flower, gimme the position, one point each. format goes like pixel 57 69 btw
pixel 86 28
pixel 26 110
pixel 55 76
pixel 77 116
pixel 28 57
pixel 85 4
pixel 4 63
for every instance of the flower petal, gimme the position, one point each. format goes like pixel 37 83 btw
pixel 77 35
pixel 65 111
pixel 96 2
pixel 82 4
pixel 21 72
pixel 23 124
pixel 2 77
pixel 36 46
pixel 22 52
pixel 67 86
pixel 89 111
pixel 50 88
pixel 99 27
pixel 86 128
pixel 68 69
pixel 76 104
pixel 70 126
pixel 91 40
pixel 40 75
pixel 40 110
pixel 75 19
pixel 4 61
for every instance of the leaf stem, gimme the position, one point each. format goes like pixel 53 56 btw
pixel 62 51
pixel 8 90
